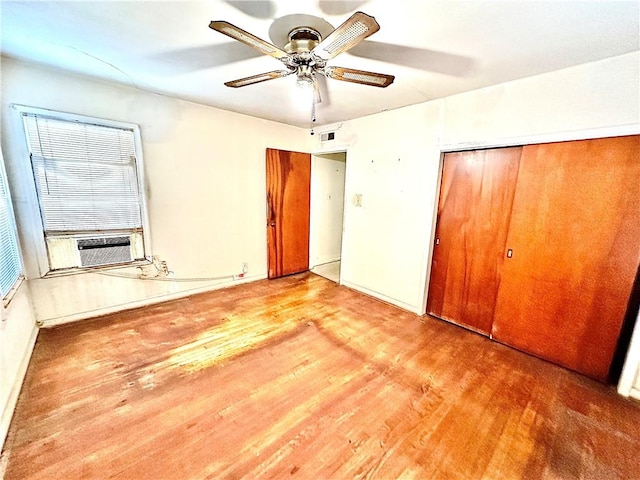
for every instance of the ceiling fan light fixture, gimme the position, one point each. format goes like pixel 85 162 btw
pixel 304 76
pixel 304 82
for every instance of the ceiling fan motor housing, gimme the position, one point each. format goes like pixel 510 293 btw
pixel 302 60
pixel 302 40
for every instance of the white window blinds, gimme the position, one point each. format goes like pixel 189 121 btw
pixel 85 175
pixel 10 266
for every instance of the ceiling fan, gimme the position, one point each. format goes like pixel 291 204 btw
pixel 307 53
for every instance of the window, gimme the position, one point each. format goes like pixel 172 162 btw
pixel 87 178
pixel 10 265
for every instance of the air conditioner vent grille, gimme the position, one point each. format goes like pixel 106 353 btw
pixel 328 136
pixel 104 250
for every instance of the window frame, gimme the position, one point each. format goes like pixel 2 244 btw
pixel 43 254
pixel 7 296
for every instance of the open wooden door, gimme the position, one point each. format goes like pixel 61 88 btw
pixel 288 198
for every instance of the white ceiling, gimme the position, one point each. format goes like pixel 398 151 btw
pixel 434 48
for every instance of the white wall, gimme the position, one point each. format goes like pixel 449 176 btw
pixel 327 206
pixel 18 333
pixel 205 186
pixel 395 161
pixel 635 390
pixel 629 384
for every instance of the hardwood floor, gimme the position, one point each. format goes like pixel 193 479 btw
pixel 299 377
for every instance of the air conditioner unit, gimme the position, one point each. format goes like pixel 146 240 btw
pixel 104 250
pixel 87 250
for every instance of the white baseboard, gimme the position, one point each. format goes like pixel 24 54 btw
pixel 9 408
pixel 50 322
pixel 384 298
pixel 324 261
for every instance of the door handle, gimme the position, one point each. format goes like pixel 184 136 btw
pixel 509 253
pixel 272 224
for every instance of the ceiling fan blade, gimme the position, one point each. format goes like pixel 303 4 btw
pixel 248 39
pixel 358 27
pixel 359 76
pixel 262 77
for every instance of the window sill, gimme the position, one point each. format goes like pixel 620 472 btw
pixel 97 269
pixel 12 293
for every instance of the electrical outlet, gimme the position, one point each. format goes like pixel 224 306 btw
pixel 245 267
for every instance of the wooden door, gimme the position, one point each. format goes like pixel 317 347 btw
pixel 575 242
pixel 288 197
pixel 476 194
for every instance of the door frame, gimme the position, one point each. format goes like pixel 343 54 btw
pixel 344 150
pixel 344 201
pixel 315 157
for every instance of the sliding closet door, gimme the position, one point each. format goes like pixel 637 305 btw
pixel 575 243
pixel 476 194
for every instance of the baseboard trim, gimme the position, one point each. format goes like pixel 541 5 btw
pixel 12 401
pixel 87 314
pixel 384 298
pixel 325 262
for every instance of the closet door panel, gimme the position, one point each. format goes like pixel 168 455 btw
pixel 575 241
pixel 476 194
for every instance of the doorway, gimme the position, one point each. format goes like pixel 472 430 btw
pixel 305 212
pixel 327 214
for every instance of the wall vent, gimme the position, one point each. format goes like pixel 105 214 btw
pixel 104 250
pixel 328 136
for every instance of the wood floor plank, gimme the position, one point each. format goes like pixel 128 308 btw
pixel 301 378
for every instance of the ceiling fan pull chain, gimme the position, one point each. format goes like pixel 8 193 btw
pixel 313 113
